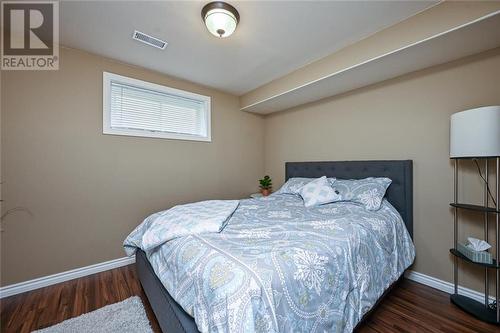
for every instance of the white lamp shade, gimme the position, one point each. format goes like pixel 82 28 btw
pixel 475 133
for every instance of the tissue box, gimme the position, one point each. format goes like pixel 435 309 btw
pixel 476 256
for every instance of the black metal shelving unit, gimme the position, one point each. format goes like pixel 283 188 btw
pixel 479 310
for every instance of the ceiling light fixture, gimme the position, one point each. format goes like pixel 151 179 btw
pixel 220 18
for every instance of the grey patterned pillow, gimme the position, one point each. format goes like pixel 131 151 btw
pixel 368 191
pixel 293 185
pixel 318 192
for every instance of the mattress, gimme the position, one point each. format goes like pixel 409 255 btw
pixel 278 266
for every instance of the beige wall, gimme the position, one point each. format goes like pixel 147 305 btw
pixel 87 190
pixel 403 118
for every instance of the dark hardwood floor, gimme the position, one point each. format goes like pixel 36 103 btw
pixel 410 307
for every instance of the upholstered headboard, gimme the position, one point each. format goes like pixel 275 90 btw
pixel 399 193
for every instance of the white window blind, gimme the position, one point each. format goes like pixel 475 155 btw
pixel 134 107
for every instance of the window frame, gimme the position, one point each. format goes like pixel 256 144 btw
pixel 107 78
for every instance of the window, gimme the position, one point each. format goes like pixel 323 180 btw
pixel 138 108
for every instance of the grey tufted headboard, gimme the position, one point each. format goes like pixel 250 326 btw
pixel 399 193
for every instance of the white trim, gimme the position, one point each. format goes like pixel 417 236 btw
pixel 243 108
pixel 49 280
pixel 445 286
pixel 107 78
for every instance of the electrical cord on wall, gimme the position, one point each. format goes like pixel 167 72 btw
pixel 12 210
pixel 493 305
pixel 484 179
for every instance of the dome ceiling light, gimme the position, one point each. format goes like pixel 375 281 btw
pixel 220 18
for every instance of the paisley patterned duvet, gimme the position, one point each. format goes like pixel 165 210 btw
pixel 280 267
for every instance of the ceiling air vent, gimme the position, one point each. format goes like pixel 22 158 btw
pixel 147 39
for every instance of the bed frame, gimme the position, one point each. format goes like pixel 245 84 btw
pixel 170 315
pixel 399 193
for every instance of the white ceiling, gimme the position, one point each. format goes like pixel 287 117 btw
pixel 272 39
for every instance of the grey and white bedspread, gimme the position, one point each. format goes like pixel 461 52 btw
pixel 281 267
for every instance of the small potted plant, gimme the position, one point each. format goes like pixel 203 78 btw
pixel 266 185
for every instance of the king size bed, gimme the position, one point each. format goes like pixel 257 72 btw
pixel 278 266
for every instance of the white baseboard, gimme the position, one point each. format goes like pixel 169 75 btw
pixel 445 286
pixel 49 280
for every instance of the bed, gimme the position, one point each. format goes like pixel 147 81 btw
pixel 280 298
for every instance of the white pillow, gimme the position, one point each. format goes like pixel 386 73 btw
pixel 318 192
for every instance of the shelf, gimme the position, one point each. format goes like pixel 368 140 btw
pixel 473 158
pixel 475 207
pixel 475 308
pixel 460 255
pixel 465 40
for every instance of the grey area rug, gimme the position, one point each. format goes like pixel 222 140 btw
pixel 126 316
